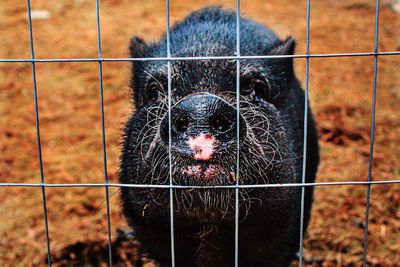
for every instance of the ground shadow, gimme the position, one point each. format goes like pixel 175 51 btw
pixel 125 252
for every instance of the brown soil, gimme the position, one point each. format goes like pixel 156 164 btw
pixel 340 94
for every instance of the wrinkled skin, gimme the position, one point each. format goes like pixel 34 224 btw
pixel 270 146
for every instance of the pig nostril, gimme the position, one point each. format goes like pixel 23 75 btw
pixel 221 125
pixel 182 124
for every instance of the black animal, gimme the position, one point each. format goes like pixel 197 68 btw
pixel 203 145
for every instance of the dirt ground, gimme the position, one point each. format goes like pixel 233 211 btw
pixel 68 93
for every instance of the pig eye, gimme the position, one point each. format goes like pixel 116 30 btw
pixel 245 86
pixel 260 88
pixel 153 92
pixel 254 87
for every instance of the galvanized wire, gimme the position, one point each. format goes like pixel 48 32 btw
pixel 327 55
pixel 237 170
pixel 39 145
pixel 371 148
pixel 103 133
pixel 303 174
pixel 171 192
pixel 379 182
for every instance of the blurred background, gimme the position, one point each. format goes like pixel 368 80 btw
pixel 340 95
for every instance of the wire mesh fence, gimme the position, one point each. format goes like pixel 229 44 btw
pixel 171 186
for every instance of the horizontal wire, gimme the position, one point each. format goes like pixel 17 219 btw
pixel 199 186
pixel 49 60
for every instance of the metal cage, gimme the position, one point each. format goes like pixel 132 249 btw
pixel 43 185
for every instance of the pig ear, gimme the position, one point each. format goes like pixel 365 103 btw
pixel 281 73
pixel 282 66
pixel 285 48
pixel 137 47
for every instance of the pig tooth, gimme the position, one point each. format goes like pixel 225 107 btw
pixel 144 209
pixel 233 176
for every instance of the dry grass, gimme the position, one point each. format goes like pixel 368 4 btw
pixel 340 93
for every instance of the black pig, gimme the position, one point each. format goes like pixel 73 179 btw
pixel 203 145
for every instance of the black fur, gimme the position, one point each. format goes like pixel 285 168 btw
pixel 271 99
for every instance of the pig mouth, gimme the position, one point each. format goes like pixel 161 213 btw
pixel 204 172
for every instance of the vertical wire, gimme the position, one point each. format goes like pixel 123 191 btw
pixel 103 132
pixel 171 192
pixel 237 133
pixel 303 175
pixel 35 97
pixel 371 148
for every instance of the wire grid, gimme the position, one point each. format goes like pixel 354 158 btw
pixel 171 186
